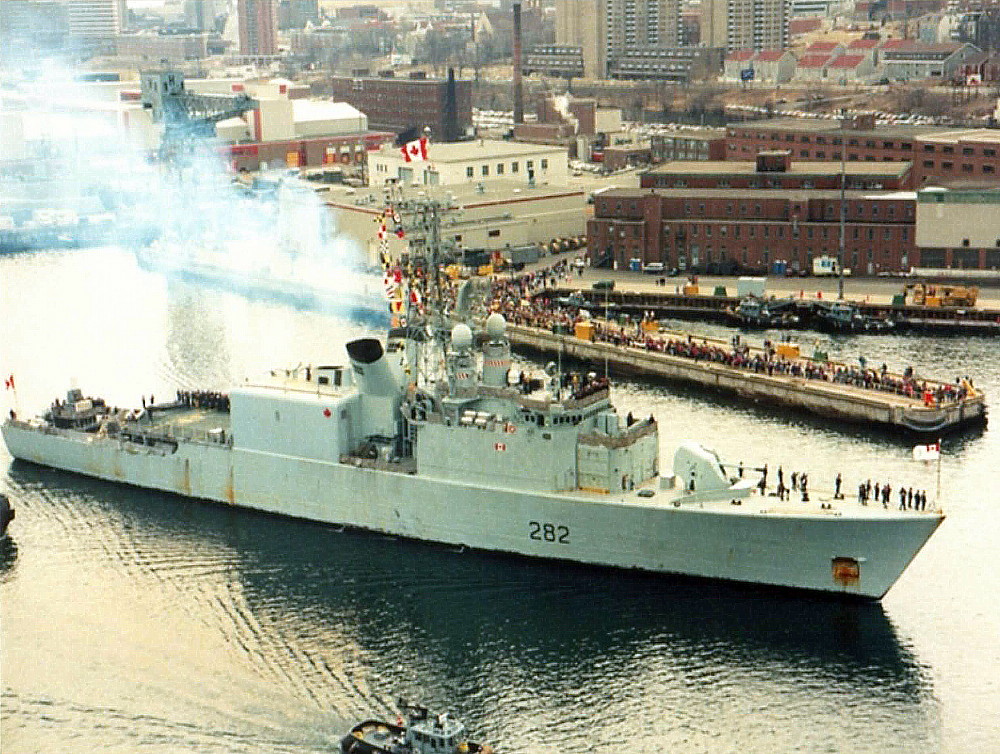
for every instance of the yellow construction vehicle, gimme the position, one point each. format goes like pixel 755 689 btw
pixel 941 295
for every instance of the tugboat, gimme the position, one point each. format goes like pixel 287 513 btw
pixel 424 733
pixel 6 514
pixel 841 317
pixel 755 313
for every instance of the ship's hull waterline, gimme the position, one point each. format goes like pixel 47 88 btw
pixel 743 543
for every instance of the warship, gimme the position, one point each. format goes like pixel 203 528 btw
pixel 432 435
pixel 534 466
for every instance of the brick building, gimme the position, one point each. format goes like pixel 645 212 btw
pixel 729 230
pixel 688 144
pixel 395 104
pixel 776 170
pixel 347 150
pixel 938 154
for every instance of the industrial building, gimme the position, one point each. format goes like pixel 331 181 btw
pixel 958 229
pixel 395 104
pixel 777 169
pixel 482 161
pixel 727 230
pixel 491 216
pixel 938 154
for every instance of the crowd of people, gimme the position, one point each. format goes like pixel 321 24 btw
pixel 910 498
pixel 517 300
pixel 203 399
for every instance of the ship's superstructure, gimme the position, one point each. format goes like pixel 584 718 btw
pixel 435 437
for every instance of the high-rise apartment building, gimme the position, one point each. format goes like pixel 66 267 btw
pixel 200 14
pixel 95 19
pixel 606 29
pixel 579 23
pixel 257 24
pixel 745 24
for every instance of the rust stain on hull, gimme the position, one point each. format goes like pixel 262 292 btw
pixel 846 571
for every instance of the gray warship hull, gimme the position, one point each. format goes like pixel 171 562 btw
pixel 757 541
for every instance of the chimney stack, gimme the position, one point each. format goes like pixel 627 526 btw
pixel 518 86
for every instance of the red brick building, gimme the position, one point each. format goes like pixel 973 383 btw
pixel 351 149
pixel 776 170
pixel 730 230
pixel 938 154
pixel 395 104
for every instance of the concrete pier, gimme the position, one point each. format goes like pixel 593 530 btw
pixel 833 400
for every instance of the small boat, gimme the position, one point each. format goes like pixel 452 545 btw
pixel 756 313
pixel 840 317
pixel 6 513
pixel 422 734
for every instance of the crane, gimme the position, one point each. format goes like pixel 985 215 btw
pixel 186 115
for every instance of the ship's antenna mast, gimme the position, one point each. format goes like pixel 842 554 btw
pixel 420 219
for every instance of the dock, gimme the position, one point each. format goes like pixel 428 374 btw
pixel 908 318
pixel 938 410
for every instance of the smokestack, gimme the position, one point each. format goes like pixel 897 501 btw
pixel 518 87
pixel 451 132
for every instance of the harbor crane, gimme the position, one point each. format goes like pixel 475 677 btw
pixel 186 115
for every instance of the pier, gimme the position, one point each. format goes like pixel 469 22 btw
pixel 824 388
pixel 930 320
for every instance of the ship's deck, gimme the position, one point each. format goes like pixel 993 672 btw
pixel 185 422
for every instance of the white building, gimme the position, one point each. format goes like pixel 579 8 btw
pixel 483 161
pixel 494 216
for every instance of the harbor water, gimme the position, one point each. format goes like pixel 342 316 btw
pixel 138 621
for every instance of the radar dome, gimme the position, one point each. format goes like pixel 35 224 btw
pixel 495 326
pixel 461 337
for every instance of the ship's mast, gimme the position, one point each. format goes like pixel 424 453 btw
pixel 420 220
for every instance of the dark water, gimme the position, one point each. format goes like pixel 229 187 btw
pixel 136 621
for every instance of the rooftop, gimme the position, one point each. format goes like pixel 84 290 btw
pixel 847 61
pixel 793 194
pixel 797 168
pixel 820 125
pixel 770 56
pixel 481 149
pixel 906 46
pixel 813 61
pixel 466 195
pixel 980 135
pixel 305 110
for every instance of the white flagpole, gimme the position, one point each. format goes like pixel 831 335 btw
pixel 939 474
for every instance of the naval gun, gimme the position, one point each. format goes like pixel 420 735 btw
pixel 186 116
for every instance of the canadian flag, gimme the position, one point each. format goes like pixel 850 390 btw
pixel 415 151
pixel 9 382
pixel 413 145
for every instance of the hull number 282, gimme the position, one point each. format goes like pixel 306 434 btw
pixel 545 532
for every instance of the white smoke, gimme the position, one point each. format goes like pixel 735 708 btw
pixel 561 103
pixel 93 159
